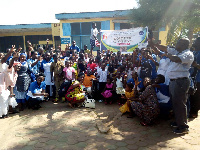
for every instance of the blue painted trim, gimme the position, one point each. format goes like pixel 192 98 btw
pixel 26 26
pixel 117 26
pixel 66 27
pixel 88 15
pixel 105 25
pixel 162 29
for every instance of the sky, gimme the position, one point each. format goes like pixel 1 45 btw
pixel 43 11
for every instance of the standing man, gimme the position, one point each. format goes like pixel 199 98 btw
pixel 74 47
pixel 93 36
pixel 178 73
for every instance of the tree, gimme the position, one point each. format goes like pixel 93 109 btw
pixel 182 16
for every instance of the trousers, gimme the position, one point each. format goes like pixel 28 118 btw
pixel 179 94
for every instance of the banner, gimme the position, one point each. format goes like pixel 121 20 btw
pixel 124 40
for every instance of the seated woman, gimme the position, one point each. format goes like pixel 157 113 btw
pixel 36 92
pixel 75 93
pixel 146 107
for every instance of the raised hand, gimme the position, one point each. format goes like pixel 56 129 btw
pixel 140 57
pixel 29 44
pixel 137 82
pixel 13 48
pixel 19 49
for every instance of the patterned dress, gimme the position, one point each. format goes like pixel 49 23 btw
pixel 148 107
pixel 22 83
pixel 74 94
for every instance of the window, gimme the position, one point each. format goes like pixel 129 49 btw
pixel 125 26
pixel 75 28
pixel 80 32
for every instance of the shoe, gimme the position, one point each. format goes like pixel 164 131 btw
pixel 173 124
pixel 55 100
pixel 100 101
pixel 63 99
pixel 181 131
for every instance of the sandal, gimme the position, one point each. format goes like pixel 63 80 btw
pixel 143 123
pixel 70 105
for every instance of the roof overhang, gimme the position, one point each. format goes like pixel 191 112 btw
pixel 89 15
pixel 25 28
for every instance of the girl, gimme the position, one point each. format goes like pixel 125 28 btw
pixel 129 94
pixel 107 94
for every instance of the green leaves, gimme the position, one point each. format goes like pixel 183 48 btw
pixel 181 16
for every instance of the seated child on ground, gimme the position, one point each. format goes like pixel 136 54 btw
pixel 119 88
pixel 107 93
pixel 130 93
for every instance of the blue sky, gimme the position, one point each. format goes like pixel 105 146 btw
pixel 43 11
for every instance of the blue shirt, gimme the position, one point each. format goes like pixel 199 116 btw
pixel 197 59
pixel 34 69
pixel 74 47
pixel 8 60
pixel 34 88
pixel 140 84
pixel 163 93
pixel 154 72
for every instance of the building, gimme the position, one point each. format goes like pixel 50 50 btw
pixel 72 26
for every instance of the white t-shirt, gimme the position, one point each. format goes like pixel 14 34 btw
pixel 180 70
pixel 94 32
pixel 102 76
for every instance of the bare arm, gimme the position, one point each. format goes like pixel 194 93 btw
pixel 174 58
pixel 194 64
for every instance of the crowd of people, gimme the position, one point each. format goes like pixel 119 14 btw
pixel 148 83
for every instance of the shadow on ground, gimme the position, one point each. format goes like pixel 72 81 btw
pixel 56 126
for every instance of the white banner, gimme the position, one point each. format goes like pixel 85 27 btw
pixel 124 40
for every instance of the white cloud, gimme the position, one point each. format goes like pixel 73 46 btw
pixel 43 11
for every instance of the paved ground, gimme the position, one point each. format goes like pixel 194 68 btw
pixel 56 126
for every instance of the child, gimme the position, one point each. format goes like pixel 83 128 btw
pixel 107 94
pixel 119 87
pixel 129 94
pixel 69 72
pixel 88 80
pixel 102 73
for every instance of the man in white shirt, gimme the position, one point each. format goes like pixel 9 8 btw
pixel 93 36
pixel 178 73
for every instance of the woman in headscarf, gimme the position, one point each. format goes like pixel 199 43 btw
pixel 22 83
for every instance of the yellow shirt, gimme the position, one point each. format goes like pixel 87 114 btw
pixel 129 94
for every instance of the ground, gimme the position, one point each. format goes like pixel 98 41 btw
pixel 56 126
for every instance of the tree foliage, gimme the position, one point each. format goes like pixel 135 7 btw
pixel 182 16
